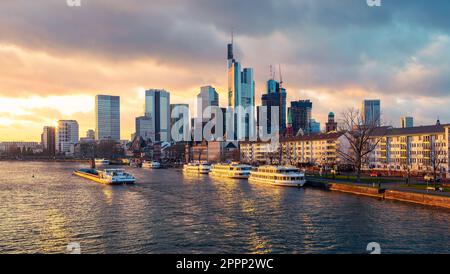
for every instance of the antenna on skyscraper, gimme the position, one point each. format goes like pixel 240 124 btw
pixel 281 77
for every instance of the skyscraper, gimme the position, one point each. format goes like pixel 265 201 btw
pixel 107 117
pixel 208 97
pixel 48 139
pixel 241 93
pixel 275 97
pixel 157 107
pixel 301 115
pixel 406 122
pixel 331 125
pixel 371 112
pixel 67 135
pixel 144 128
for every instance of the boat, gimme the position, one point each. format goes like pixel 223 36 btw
pixel 278 176
pixel 152 165
pixel 107 176
pixel 232 171
pixel 198 168
pixel 101 162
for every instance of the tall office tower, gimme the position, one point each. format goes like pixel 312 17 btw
pixel 90 134
pixel 144 128
pixel 371 112
pixel 179 114
pixel 275 97
pixel 67 135
pixel 241 92
pixel 314 126
pixel 107 117
pixel 331 125
pixel 157 107
pixel 407 122
pixel 208 97
pixel 301 114
pixel 48 139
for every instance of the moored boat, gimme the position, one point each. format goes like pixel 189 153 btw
pixel 279 176
pixel 107 176
pixel 152 165
pixel 197 168
pixel 101 162
pixel 232 171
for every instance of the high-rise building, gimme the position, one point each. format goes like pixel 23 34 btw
pixel 179 113
pixel 208 97
pixel 157 107
pixel 406 122
pixel 107 117
pixel 90 134
pixel 275 97
pixel 300 112
pixel 48 140
pixel 241 93
pixel 331 125
pixel 67 135
pixel 314 126
pixel 144 128
pixel 371 112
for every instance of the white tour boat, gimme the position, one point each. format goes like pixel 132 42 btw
pixel 279 176
pixel 197 168
pixel 152 165
pixel 107 176
pixel 232 171
pixel 101 162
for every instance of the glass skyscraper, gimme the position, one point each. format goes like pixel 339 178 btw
pixel 107 117
pixel 300 112
pixel 241 92
pixel 371 112
pixel 275 97
pixel 207 97
pixel 157 107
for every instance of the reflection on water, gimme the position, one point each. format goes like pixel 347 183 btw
pixel 171 212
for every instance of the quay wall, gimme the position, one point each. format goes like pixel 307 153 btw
pixel 427 199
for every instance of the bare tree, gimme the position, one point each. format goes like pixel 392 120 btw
pixel 437 158
pixel 361 138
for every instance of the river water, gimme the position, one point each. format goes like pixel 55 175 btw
pixel 169 212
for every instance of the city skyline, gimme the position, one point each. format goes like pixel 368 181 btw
pixel 40 79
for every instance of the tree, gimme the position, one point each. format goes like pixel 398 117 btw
pixel 437 157
pixel 360 135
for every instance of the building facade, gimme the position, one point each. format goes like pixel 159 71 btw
pixel 67 135
pixel 406 122
pixel 417 149
pixel 275 97
pixel 157 107
pixel 309 150
pixel 208 97
pixel 144 128
pixel 331 125
pixel 107 117
pixel 48 141
pixel 241 93
pixel 300 112
pixel 371 112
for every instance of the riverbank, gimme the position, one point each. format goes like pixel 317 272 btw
pixel 384 193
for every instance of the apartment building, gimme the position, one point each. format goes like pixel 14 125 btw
pixel 418 149
pixel 320 149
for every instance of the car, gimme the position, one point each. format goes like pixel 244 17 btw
pixel 430 178
pixel 375 174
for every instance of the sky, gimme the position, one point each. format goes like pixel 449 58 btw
pixel 54 58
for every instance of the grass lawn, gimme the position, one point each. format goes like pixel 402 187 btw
pixel 423 186
pixel 366 180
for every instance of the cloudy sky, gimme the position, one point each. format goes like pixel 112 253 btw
pixel 55 58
